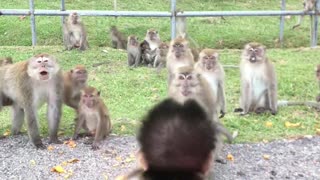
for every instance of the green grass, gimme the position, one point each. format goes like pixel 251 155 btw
pixel 129 93
pixel 215 32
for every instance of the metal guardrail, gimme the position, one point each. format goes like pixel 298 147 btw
pixel 172 14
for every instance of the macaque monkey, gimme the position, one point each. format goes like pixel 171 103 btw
pixel 161 56
pixel 133 51
pixel 308 5
pixel 74 81
pixel 74 33
pixel 6 61
pixel 29 84
pixel 318 79
pixel 145 52
pixel 118 40
pixel 179 55
pixel 93 115
pixel 211 70
pixel 153 38
pixel 258 81
pixel 189 84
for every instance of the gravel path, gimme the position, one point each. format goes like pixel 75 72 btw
pixel 288 159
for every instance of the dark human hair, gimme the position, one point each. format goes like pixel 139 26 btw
pixel 176 140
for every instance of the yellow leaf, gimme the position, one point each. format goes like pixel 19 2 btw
pixel 230 157
pixel 268 124
pixel 70 143
pixel 58 169
pixel 318 132
pixel 50 148
pixel 7 132
pixel 105 177
pixel 120 178
pixel 123 128
pixel 64 163
pixel 266 156
pixel 119 158
pixel 33 162
pixel 74 160
pixel 129 159
pixel 291 125
pixel 265 141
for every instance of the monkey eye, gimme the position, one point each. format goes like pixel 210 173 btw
pixel 206 57
pixel 250 49
pixel 85 95
pixel 45 61
pixel 189 77
pixel 39 61
pixel 91 95
pixel 181 78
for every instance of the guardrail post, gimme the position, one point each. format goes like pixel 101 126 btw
pixel 33 23
pixel 173 19
pixel 315 26
pixel 282 18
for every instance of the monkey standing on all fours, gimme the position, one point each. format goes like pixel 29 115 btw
pixel 308 5
pixel 74 33
pixel 258 81
pixel 29 84
pixel 93 116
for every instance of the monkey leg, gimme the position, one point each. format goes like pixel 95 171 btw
pixel 17 120
pixel 54 115
pixel 33 129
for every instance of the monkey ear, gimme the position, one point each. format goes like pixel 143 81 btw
pixel 98 93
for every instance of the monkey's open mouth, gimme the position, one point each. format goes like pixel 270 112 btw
pixel 253 59
pixel 44 75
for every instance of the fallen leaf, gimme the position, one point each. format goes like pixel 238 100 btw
pixel 7 132
pixel 69 174
pixel 64 163
pixel 266 156
pixel 33 162
pixel 50 148
pixel 129 159
pixel 119 158
pixel 318 132
pixel 74 160
pixel 230 157
pixel 291 125
pixel 70 143
pixel 105 177
pixel 120 178
pixel 58 169
pixel 265 140
pixel 268 124
pixel 123 128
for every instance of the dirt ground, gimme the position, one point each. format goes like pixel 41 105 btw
pixel 283 159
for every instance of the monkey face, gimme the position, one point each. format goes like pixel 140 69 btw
pixel 254 54
pixel 89 99
pixel 74 18
pixel 209 61
pixel 133 40
pixel 187 83
pixel 153 35
pixel 42 67
pixel 80 75
pixel 178 49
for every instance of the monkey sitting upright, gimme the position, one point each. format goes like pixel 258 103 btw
pixel 93 116
pixel 258 81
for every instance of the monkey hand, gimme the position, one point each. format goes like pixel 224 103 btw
pixel 39 145
pixel 95 146
pixel 222 113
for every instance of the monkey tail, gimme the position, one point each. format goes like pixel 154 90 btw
pixel 298 103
